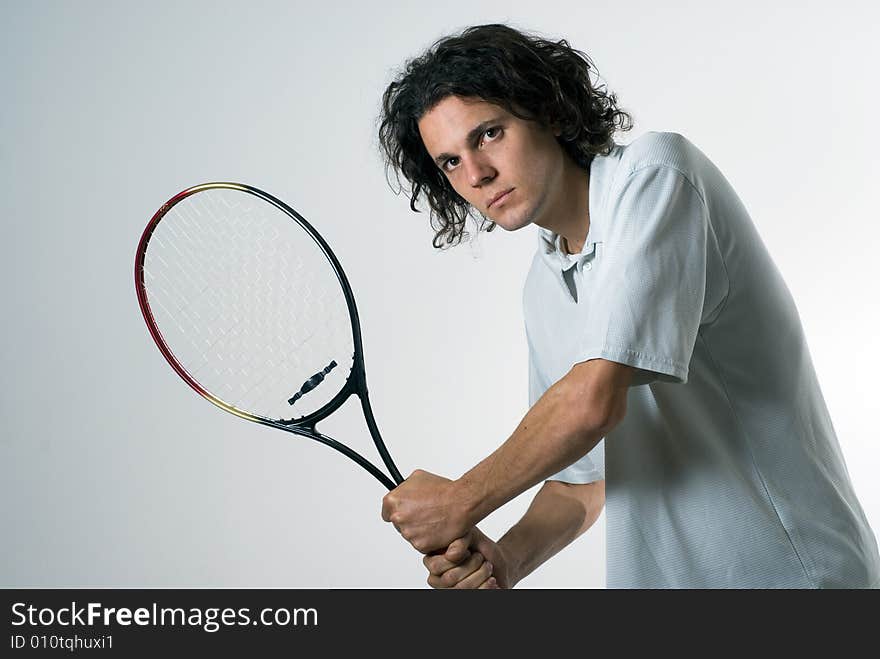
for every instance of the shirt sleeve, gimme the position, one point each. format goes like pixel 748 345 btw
pixel 651 276
pixel 589 468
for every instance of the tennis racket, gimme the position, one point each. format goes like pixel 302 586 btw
pixel 250 306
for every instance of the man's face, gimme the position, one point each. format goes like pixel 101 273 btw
pixel 508 168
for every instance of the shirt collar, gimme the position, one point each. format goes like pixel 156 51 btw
pixel 554 253
pixel 551 243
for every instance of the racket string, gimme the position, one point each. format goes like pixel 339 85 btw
pixel 249 305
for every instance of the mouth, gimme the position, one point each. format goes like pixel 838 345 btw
pixel 499 198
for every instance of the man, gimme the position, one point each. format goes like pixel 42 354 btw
pixel 655 320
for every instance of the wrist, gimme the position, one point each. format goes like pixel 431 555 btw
pixel 506 567
pixel 513 560
pixel 469 500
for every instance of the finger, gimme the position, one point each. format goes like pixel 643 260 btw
pixel 489 584
pixel 448 578
pixel 458 547
pixel 454 575
pixel 438 564
pixel 480 575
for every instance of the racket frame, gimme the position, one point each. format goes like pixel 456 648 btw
pixel 356 382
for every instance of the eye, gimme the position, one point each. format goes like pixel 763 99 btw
pixel 450 164
pixel 491 133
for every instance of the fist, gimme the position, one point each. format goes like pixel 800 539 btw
pixel 427 511
pixel 472 561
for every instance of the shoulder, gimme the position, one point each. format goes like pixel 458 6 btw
pixel 658 148
pixel 660 155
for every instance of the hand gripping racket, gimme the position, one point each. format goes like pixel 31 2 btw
pixel 251 308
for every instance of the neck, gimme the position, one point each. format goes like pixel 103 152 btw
pixel 569 213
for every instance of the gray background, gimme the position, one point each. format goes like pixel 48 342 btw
pixel 114 473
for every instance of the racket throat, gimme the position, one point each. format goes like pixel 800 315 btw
pixel 312 382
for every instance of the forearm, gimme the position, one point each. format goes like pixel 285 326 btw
pixel 559 514
pixel 560 428
pixel 563 426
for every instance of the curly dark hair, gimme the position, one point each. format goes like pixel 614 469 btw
pixel 532 78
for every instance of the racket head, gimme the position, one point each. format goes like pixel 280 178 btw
pixel 247 303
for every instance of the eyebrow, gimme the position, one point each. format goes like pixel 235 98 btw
pixel 472 135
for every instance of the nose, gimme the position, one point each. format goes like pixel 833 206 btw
pixel 479 171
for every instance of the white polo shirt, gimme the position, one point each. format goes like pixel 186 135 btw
pixel 726 471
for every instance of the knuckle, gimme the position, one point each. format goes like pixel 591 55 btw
pixel 436 568
pixel 463 557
